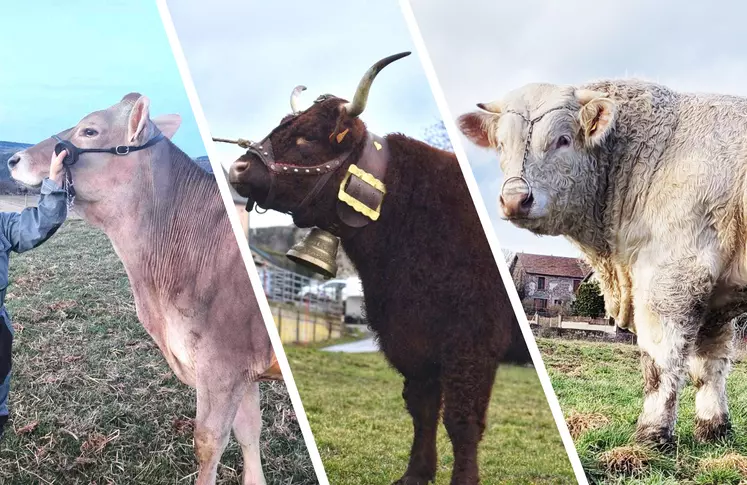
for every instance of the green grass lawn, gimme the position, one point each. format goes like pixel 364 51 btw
pixel 600 388
pixel 364 433
pixel 93 400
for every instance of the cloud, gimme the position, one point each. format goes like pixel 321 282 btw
pixel 482 49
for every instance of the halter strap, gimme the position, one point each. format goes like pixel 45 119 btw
pixel 527 144
pixel 120 150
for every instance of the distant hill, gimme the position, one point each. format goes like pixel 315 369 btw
pixel 204 162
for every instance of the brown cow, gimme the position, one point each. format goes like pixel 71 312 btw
pixel 433 293
pixel 168 224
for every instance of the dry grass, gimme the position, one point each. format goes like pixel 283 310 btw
pixel 93 400
pixel 730 461
pixel 629 460
pixel 579 423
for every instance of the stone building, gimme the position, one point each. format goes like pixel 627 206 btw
pixel 546 282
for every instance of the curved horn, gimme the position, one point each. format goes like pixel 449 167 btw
pixel 358 104
pixel 294 98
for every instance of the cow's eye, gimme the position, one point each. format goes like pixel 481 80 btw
pixel 563 141
pixel 90 132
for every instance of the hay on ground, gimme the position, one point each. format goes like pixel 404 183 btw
pixel 625 460
pixel 580 423
pixel 730 461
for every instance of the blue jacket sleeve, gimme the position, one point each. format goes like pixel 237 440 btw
pixel 34 225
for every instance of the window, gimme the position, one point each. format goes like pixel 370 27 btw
pixel 576 284
pixel 541 283
pixel 559 302
pixel 540 303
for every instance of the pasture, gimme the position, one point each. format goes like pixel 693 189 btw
pixel 600 388
pixel 93 401
pixel 364 433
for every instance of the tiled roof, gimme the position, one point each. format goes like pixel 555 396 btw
pixel 553 265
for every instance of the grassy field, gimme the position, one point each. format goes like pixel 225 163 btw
pixel 93 401
pixel 363 431
pixel 600 389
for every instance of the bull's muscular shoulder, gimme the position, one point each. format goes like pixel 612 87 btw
pixel 631 89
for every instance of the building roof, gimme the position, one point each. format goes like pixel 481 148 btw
pixel 553 265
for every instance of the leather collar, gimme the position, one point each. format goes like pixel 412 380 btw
pixel 362 191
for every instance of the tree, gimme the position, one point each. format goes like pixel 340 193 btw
pixel 589 300
pixel 435 135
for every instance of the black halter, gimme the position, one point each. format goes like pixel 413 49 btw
pixel 73 154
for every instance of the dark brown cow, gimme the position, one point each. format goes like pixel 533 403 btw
pixel 433 293
pixel 168 224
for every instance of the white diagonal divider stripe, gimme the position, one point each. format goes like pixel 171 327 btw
pixel 487 226
pixel 264 306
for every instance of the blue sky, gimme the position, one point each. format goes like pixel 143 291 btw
pixel 481 49
pixel 246 57
pixel 61 60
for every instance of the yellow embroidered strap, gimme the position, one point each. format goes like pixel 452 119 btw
pixel 359 206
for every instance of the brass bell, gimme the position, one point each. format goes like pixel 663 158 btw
pixel 317 251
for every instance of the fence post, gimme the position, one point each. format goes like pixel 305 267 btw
pixel 280 323
pixel 298 327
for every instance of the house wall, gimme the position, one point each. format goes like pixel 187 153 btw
pixel 556 288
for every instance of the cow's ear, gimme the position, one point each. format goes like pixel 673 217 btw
pixel 168 124
pixel 476 126
pixel 597 115
pixel 139 117
pixel 339 137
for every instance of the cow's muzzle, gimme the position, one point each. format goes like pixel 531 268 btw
pixel 516 198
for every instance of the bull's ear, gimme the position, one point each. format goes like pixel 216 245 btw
pixel 476 126
pixel 139 117
pixel 168 124
pixel 339 137
pixel 597 115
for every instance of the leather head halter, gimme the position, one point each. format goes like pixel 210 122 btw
pixel 361 193
pixel 73 154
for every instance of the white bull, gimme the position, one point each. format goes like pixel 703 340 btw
pixel 649 183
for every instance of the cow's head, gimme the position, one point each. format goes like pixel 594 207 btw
pixel 305 141
pixel 550 174
pixel 96 175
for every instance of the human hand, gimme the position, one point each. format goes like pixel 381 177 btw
pixel 56 168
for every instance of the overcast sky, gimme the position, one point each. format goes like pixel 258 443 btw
pixel 63 60
pixel 481 49
pixel 246 57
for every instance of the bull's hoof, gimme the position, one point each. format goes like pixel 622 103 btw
pixel 410 480
pixel 708 430
pixel 659 437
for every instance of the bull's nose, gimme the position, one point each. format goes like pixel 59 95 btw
pixel 516 204
pixel 237 170
pixel 13 161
